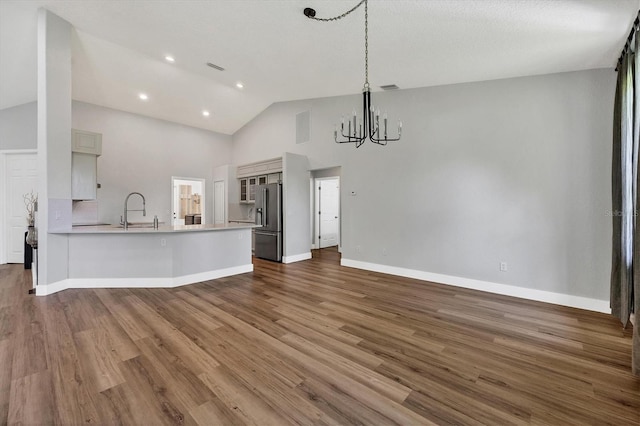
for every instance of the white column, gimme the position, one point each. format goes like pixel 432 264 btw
pixel 54 146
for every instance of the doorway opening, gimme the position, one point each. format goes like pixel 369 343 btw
pixel 325 209
pixel 327 226
pixel 187 201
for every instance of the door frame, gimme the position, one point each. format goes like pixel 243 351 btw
pixel 4 238
pixel 314 212
pixel 202 202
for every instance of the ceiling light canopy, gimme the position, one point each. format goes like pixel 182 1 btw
pixel 358 130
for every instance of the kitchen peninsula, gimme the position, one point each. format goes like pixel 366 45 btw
pixel 109 256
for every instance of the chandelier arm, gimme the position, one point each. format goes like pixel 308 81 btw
pixel 351 139
pixel 380 141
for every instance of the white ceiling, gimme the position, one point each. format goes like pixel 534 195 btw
pixel 280 55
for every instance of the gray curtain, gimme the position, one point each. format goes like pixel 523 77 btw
pixel 625 279
pixel 636 245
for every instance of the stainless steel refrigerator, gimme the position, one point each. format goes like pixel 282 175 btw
pixel 268 238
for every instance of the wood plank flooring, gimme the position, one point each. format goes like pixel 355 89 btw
pixel 307 343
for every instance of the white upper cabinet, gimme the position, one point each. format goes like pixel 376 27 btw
pixel 86 142
pixel 254 174
pixel 84 176
pixel 260 168
pixel 86 147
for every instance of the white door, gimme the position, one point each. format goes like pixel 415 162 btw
pixel 328 211
pixel 20 179
pixel 218 202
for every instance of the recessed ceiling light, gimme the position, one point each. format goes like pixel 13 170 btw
pixel 205 113
pixel 169 58
pixel 239 85
pixel 143 96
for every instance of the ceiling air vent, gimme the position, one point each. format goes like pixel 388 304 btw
pixel 218 67
pixel 389 87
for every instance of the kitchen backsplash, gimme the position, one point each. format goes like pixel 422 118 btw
pixel 241 211
pixel 84 212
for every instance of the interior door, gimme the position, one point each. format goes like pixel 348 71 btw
pixel 20 179
pixel 329 210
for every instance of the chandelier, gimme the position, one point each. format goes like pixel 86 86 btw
pixel 358 130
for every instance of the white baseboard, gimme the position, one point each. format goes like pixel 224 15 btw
pixel 43 290
pixel 490 287
pixel 296 257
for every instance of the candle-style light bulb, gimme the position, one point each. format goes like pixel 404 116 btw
pixel 385 125
pixel 399 127
pixel 355 127
pixel 335 132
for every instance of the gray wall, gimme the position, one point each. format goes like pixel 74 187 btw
pixel 19 127
pixel 296 206
pixel 141 154
pixel 514 170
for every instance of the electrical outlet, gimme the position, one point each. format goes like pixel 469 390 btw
pixel 358 249
pixel 503 266
pixel 163 242
pixel 384 251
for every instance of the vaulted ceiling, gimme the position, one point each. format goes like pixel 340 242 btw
pixel 278 54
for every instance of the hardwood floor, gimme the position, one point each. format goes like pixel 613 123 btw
pixel 307 343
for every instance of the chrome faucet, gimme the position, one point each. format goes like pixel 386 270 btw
pixel 126 202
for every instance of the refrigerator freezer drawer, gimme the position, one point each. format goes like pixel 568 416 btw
pixel 268 245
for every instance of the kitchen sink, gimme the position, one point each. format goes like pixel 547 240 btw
pixel 135 225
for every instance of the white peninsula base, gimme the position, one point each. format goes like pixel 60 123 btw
pixel 103 257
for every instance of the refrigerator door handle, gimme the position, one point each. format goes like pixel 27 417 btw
pixel 265 207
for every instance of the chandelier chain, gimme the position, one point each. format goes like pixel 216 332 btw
pixel 335 18
pixel 366 34
pixel 366 45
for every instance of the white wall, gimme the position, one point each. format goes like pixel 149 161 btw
pixel 514 170
pixel 19 127
pixel 141 154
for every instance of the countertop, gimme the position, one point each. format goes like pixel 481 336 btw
pixel 115 229
pixel 242 220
